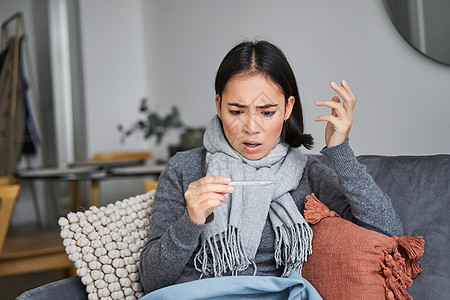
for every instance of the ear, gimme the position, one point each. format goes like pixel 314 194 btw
pixel 218 106
pixel 289 107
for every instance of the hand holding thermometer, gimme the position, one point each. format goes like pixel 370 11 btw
pixel 253 182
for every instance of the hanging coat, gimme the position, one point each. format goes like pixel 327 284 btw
pixel 12 112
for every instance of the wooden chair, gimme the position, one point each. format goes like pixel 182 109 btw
pixel 26 253
pixel 6 180
pixel 115 156
pixel 150 185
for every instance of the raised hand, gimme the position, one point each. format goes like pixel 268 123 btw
pixel 340 120
pixel 204 195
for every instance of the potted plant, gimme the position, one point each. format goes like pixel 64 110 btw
pixel 152 124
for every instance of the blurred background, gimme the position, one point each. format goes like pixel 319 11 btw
pixel 95 60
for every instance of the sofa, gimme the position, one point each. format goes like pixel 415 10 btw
pixel 419 187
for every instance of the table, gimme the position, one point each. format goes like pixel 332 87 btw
pixel 72 175
pixel 137 171
pixel 93 172
pixel 107 164
pixel 145 170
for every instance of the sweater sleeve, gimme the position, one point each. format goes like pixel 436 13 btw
pixel 173 236
pixel 352 193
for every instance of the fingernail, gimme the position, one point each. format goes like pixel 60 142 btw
pixel 344 82
pixel 227 180
pixel 230 189
pixel 333 84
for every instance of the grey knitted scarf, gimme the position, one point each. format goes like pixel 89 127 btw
pixel 230 241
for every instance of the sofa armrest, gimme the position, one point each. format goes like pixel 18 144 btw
pixel 69 288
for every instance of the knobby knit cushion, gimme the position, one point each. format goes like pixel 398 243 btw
pixel 351 262
pixel 105 244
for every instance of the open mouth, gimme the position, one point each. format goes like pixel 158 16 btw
pixel 252 145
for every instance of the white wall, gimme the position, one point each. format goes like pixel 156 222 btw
pixel 114 68
pixel 114 81
pixel 169 51
pixel 403 98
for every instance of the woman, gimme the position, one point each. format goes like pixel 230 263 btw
pixel 204 226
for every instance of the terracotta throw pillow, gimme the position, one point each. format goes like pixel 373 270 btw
pixel 351 262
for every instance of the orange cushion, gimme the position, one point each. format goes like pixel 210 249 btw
pixel 351 262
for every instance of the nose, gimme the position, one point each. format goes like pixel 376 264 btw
pixel 252 124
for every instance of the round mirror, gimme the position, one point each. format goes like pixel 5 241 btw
pixel 425 24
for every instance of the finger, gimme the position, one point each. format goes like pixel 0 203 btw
pixel 337 100
pixel 211 203
pixel 211 196
pixel 201 184
pixel 347 87
pixel 350 100
pixel 326 118
pixel 346 94
pixel 334 105
pixel 211 187
pixel 214 179
pixel 334 99
pixel 209 206
pixel 340 90
pixel 203 192
pixel 203 202
pixel 217 188
pixel 197 201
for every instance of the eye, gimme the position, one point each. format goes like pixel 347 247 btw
pixel 236 112
pixel 268 113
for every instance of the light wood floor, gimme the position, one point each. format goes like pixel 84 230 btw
pixel 12 286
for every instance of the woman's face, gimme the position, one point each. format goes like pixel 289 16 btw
pixel 252 110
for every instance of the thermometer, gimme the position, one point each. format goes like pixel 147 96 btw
pixel 253 182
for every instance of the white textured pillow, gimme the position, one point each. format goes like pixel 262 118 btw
pixel 105 243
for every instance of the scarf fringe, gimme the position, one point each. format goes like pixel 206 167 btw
pixel 293 244
pixel 230 256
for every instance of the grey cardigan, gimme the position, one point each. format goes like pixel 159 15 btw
pixel 346 188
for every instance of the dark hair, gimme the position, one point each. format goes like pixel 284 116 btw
pixel 262 57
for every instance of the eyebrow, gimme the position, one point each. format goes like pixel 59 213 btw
pixel 244 106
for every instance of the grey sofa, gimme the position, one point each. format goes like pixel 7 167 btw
pixel 419 187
